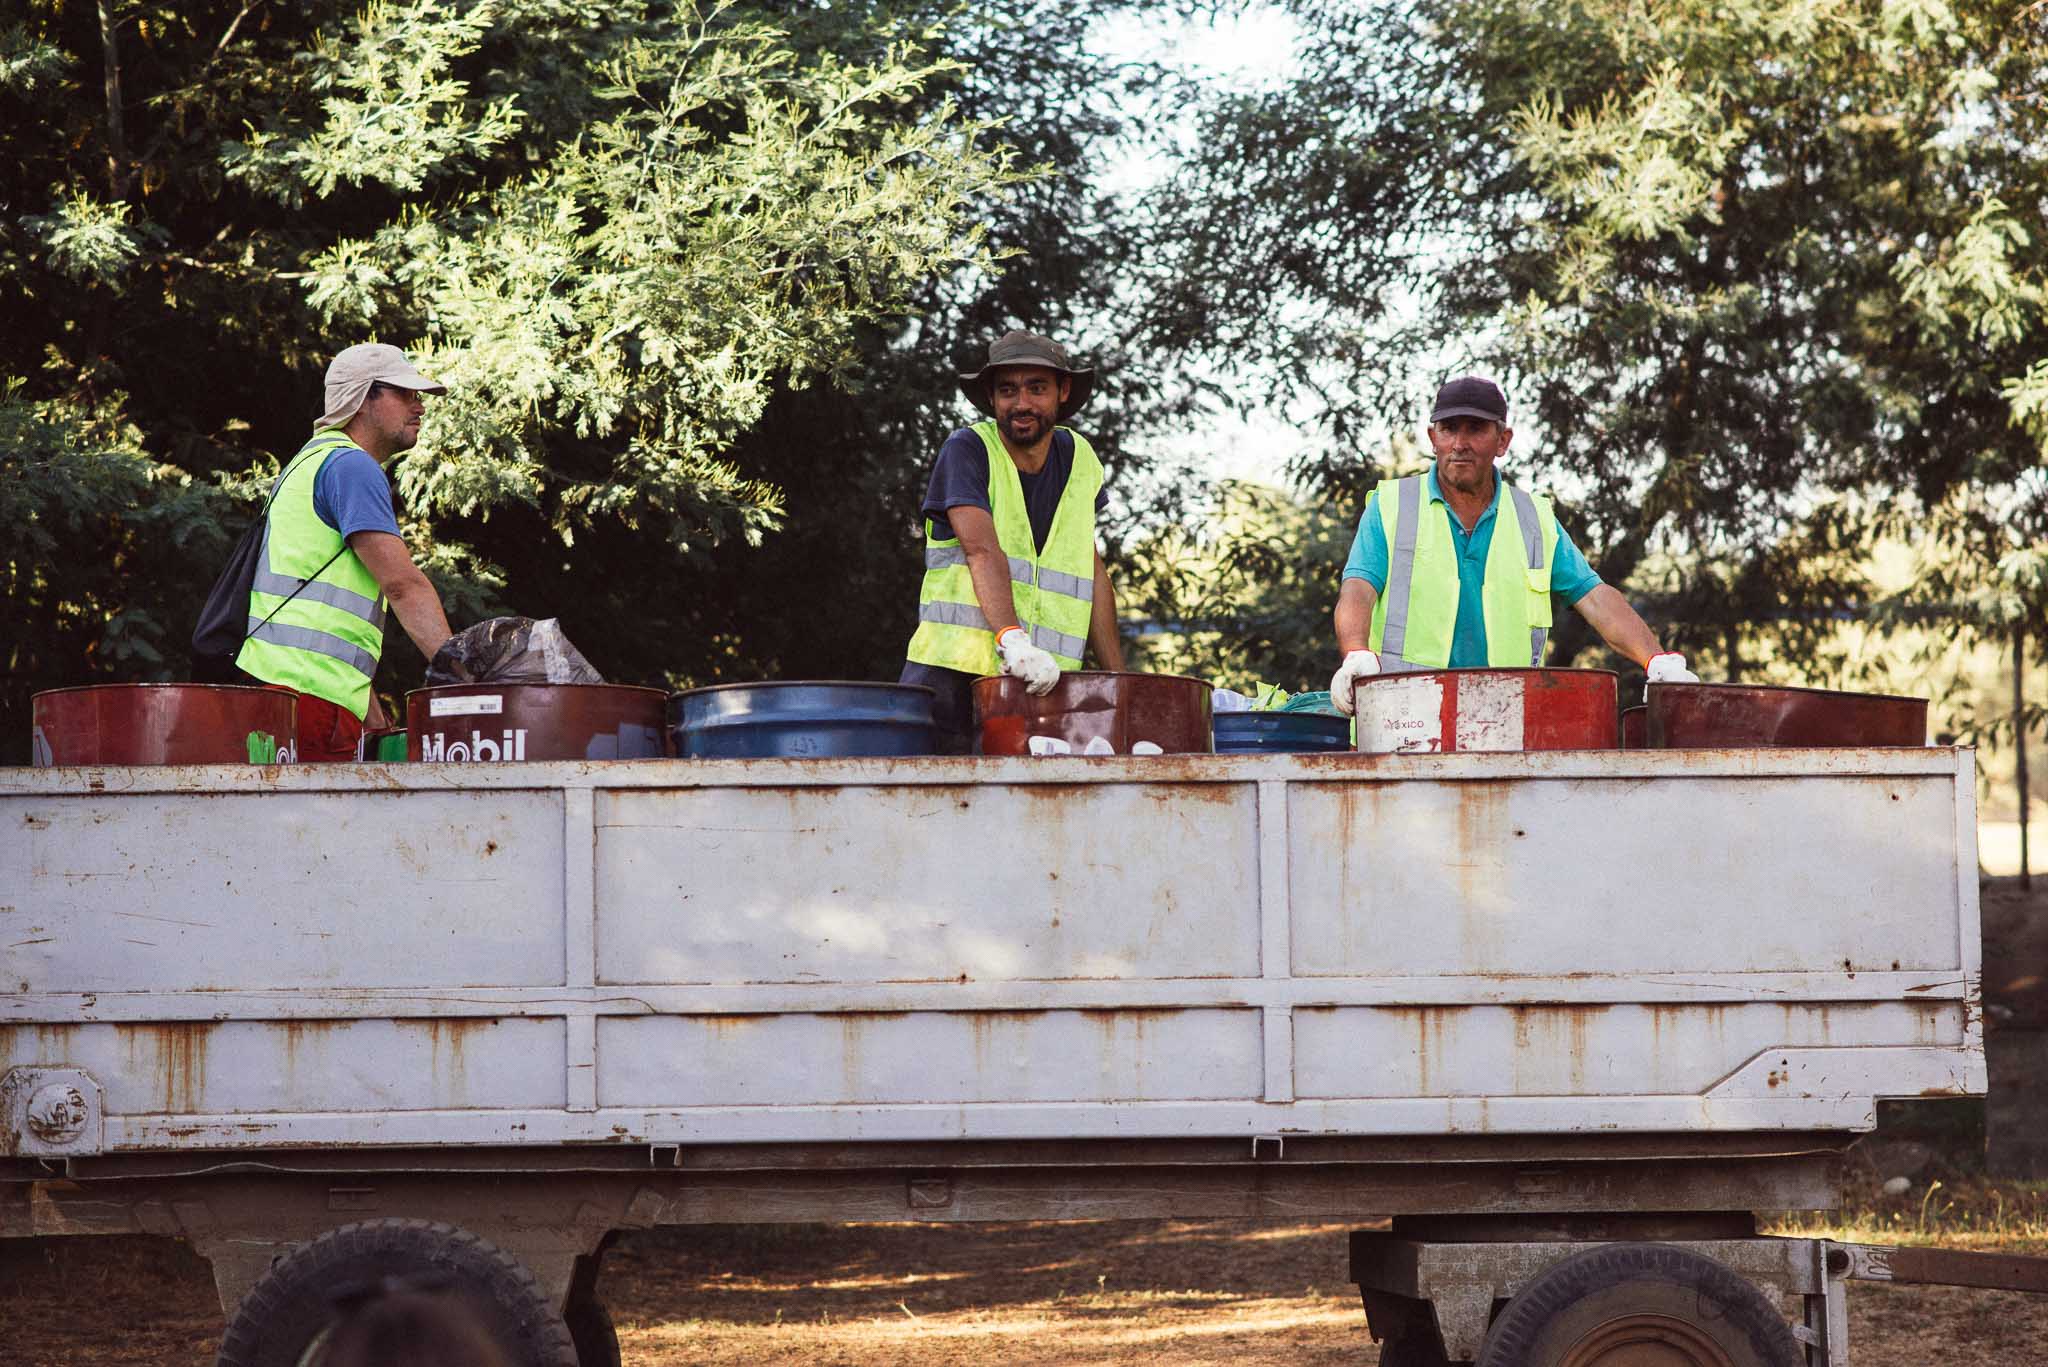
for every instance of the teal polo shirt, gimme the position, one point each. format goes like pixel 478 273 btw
pixel 1571 578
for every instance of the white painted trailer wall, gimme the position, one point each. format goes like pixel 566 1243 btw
pixel 677 952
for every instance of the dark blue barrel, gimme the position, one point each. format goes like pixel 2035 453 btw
pixel 1266 733
pixel 801 720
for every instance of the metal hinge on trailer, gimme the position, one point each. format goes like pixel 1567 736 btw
pixel 51 1113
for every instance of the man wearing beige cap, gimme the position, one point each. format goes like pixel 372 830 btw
pixel 332 555
pixel 1013 582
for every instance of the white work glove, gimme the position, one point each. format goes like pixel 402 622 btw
pixel 1359 664
pixel 1668 667
pixel 1023 660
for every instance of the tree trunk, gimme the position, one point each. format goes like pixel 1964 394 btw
pixel 2019 738
pixel 117 141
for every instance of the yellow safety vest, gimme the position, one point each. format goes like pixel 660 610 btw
pixel 1415 618
pixel 324 641
pixel 1053 589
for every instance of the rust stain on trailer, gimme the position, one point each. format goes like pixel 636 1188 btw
pixel 1563 1030
pixel 1432 1028
pixel 724 1027
pixel 177 1059
pixel 1204 794
pixel 1476 858
pixel 53 1043
pixel 853 1031
pixel 448 1048
pixel 296 1033
pixel 1056 795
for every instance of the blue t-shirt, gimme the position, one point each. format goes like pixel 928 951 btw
pixel 351 494
pixel 1571 578
pixel 960 479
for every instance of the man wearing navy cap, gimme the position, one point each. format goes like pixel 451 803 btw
pixel 1456 568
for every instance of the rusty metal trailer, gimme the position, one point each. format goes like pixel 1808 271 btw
pixel 1536 1007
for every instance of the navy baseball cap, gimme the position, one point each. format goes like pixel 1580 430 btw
pixel 1470 396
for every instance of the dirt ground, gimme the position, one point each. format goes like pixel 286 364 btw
pixel 1121 1292
pixel 925 1296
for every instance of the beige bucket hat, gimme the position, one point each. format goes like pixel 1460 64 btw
pixel 350 375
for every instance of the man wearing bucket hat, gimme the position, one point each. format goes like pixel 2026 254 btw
pixel 1470 575
pixel 332 555
pixel 1013 582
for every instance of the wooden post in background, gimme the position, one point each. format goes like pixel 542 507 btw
pixel 2019 740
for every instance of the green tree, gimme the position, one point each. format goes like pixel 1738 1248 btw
pixel 1764 280
pixel 616 231
pixel 835 595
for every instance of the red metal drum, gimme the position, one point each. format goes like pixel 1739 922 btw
pixel 1635 727
pixel 468 723
pixel 164 724
pixel 1755 716
pixel 1453 711
pixel 1096 713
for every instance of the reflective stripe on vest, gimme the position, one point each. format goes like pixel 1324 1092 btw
pixel 1415 620
pixel 1052 591
pixel 316 616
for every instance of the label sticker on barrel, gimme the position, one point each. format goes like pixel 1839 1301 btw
pixel 1401 714
pixel 487 705
pixel 1490 708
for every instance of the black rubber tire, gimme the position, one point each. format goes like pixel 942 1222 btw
pixel 595 1336
pixel 1570 1301
pixel 286 1311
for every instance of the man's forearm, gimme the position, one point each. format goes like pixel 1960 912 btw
pixel 1102 632
pixel 1608 613
pixel 418 609
pixel 1354 615
pixel 990 571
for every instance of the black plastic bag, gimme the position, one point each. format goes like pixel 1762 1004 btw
pixel 510 650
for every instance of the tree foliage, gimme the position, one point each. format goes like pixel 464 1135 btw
pixel 1764 280
pixel 619 232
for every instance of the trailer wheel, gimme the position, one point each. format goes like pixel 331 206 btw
pixel 596 1337
pixel 290 1310
pixel 1640 1303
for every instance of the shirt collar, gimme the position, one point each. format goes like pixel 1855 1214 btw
pixel 1436 493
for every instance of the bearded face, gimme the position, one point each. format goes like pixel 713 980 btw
pixel 1027 400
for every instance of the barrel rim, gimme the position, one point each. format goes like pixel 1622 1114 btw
pixel 163 683
pixel 451 690
pixel 803 683
pixel 1001 679
pixel 1614 674
pixel 1704 686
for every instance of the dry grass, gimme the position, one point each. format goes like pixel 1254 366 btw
pixel 1022 1295
pixel 1965 1211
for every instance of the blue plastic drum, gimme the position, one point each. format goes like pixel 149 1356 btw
pixel 801 720
pixel 1267 733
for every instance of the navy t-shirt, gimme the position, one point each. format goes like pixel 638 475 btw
pixel 960 478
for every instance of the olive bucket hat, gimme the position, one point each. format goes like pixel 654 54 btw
pixel 1028 348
